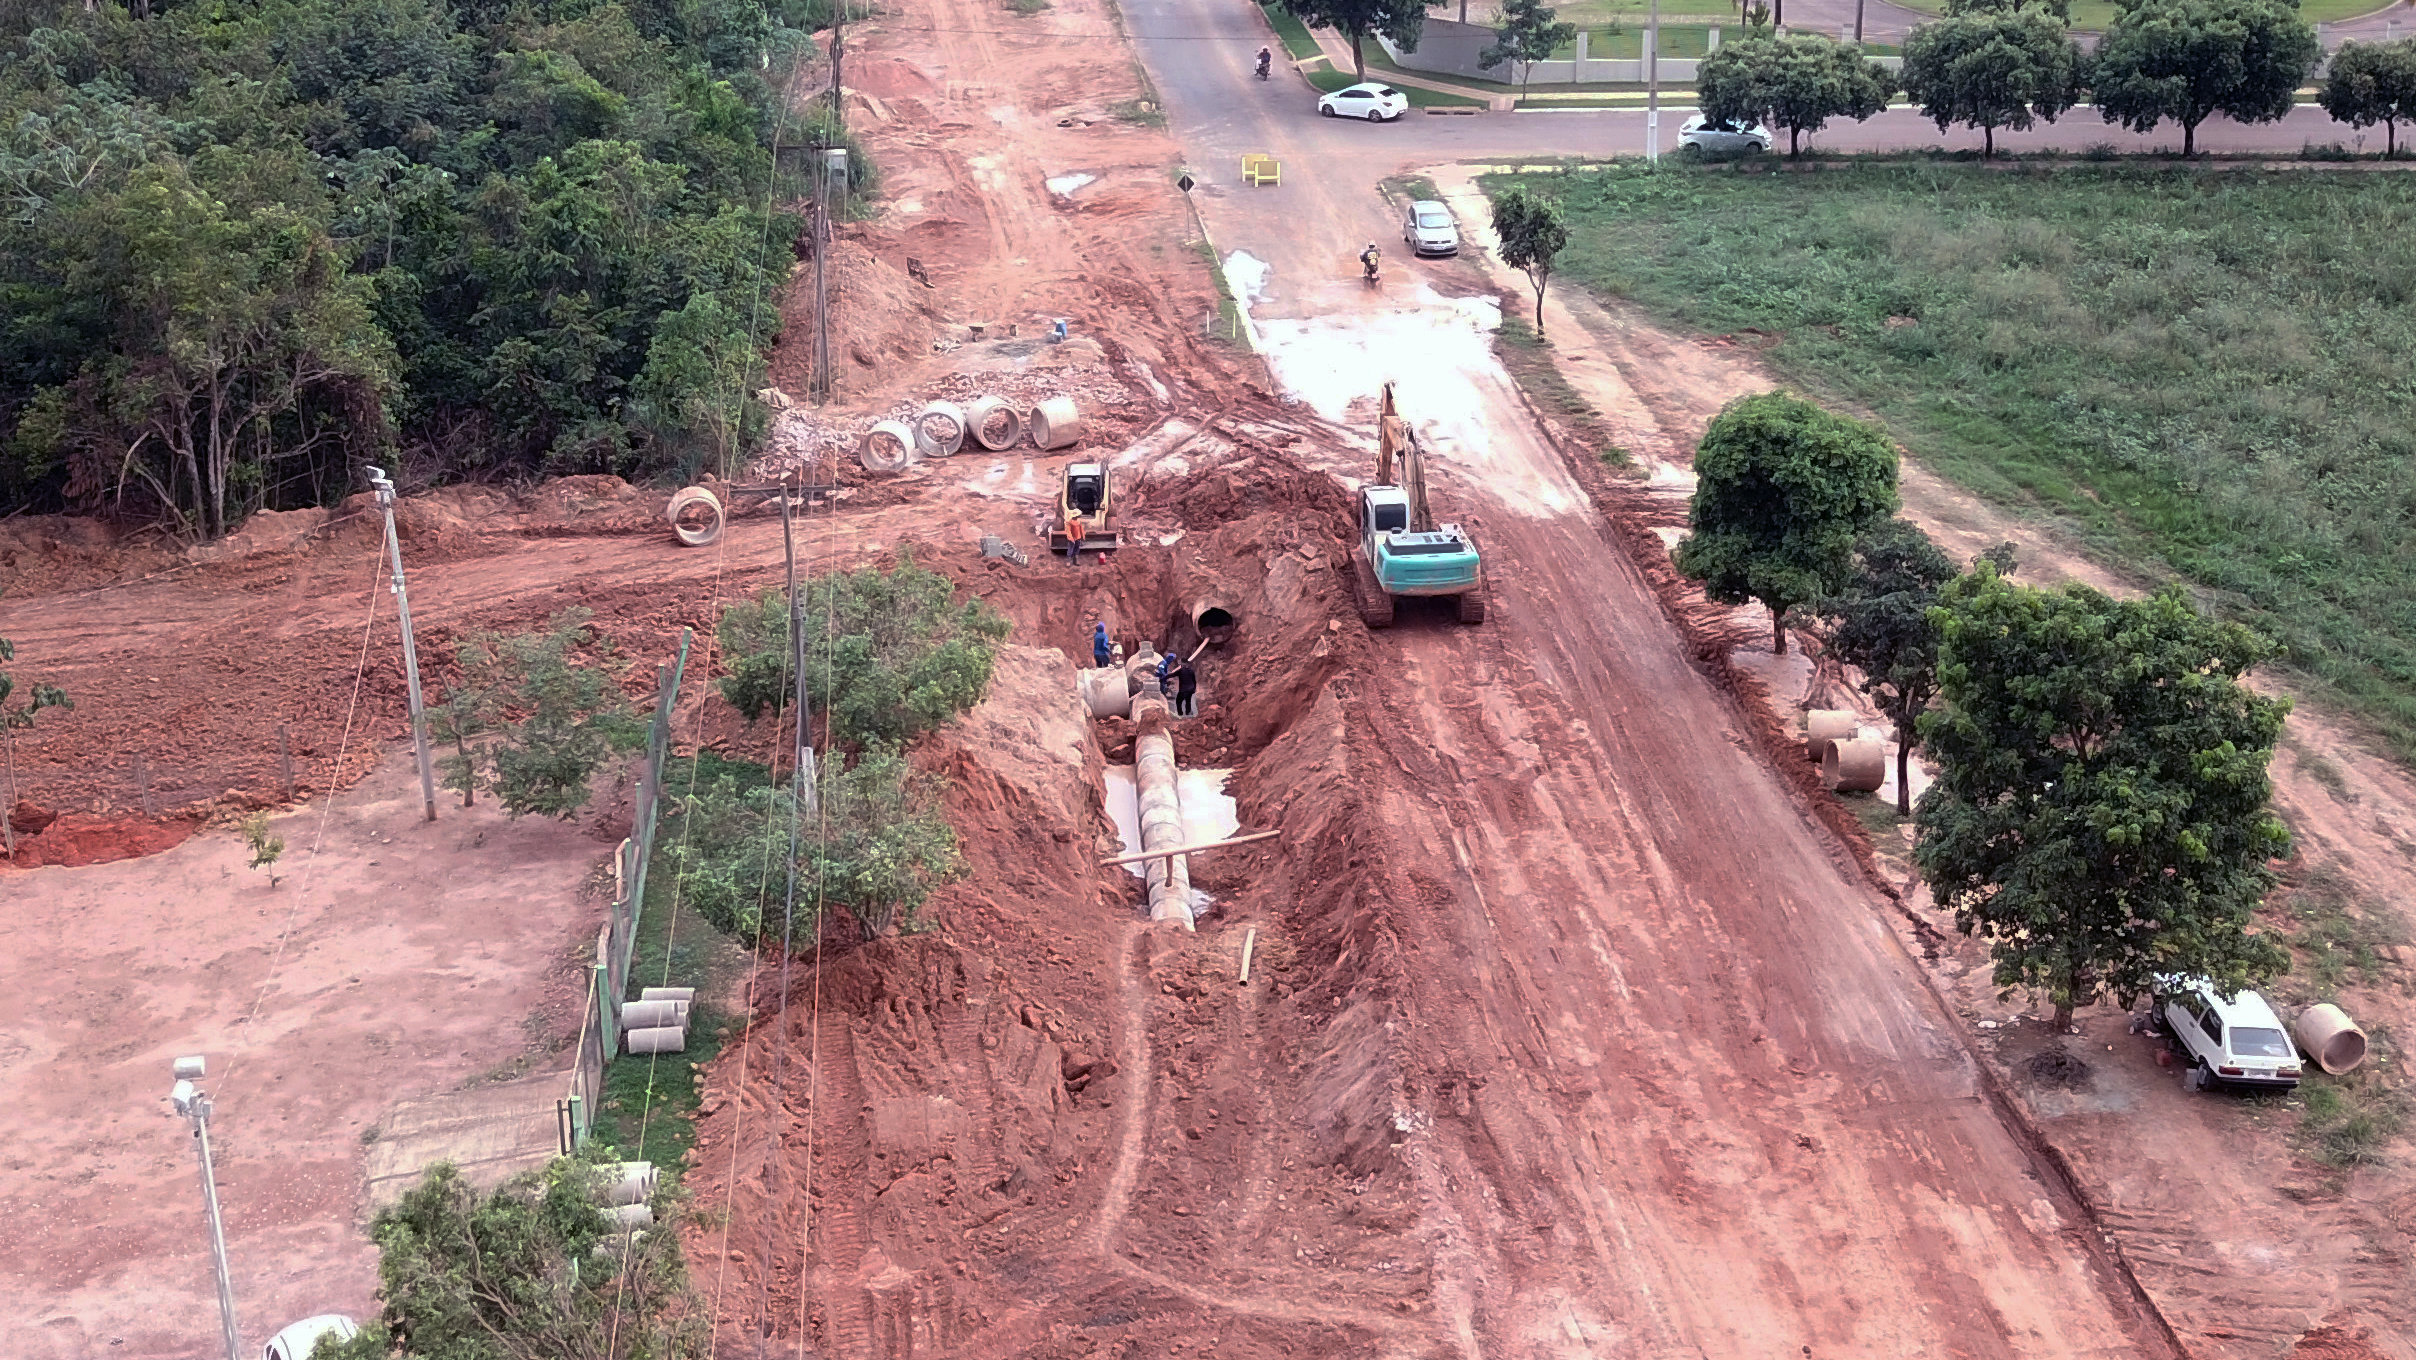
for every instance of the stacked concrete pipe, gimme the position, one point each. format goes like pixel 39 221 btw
pixel 1155 776
pixel 1858 765
pixel 666 1039
pixel 1825 725
pixel 653 1014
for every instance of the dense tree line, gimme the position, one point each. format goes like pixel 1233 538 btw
pixel 245 247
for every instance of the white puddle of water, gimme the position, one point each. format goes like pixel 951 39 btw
pixel 1208 814
pixel 1011 480
pixel 1065 185
pixel 1248 276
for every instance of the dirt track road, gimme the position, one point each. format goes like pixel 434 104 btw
pixel 1704 1104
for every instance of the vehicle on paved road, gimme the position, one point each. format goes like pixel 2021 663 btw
pixel 1373 102
pixel 1427 226
pixel 1703 134
pixel 2239 1042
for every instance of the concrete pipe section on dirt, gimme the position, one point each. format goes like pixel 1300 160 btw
pixel 1157 781
pixel 2331 1038
pixel 1056 424
pixel 653 1014
pixel 1825 725
pixel 629 1183
pixel 886 447
pixel 1856 765
pixel 994 424
pixel 940 430
pixel 696 516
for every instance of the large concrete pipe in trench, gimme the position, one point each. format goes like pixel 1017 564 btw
pixel 1106 692
pixel 1154 776
pixel 1214 618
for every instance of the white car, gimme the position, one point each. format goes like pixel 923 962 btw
pixel 298 1341
pixel 1376 103
pixel 1427 229
pixel 2239 1042
pixel 1728 138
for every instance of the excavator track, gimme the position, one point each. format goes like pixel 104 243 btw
pixel 1472 605
pixel 1375 606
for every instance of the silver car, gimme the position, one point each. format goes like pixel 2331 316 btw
pixel 1725 138
pixel 1427 229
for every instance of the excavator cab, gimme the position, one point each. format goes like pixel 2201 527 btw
pixel 1086 512
pixel 1085 489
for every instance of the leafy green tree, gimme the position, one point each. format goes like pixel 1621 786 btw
pixel 889 655
pixel 2061 10
pixel 2189 59
pixel 1527 35
pixel 1783 489
pixel 1994 70
pixel 2371 83
pixel 876 844
pixel 1880 625
pixel 534 1269
pixel 2100 813
pixel 555 721
pixel 1531 233
pixel 1401 21
pixel 1798 82
pixel 16 717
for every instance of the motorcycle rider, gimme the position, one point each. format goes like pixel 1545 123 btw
pixel 1369 259
pixel 1266 60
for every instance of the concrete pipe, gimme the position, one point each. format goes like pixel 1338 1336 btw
pixel 940 430
pixel 1156 780
pixel 1825 725
pixel 653 1014
pixel 667 1039
pixel 1213 617
pixel 1858 765
pixel 1106 693
pixel 887 447
pixel 668 994
pixel 1141 668
pixel 1056 424
pixel 2331 1038
pixel 629 1183
pixel 631 1217
pixel 994 424
pixel 697 516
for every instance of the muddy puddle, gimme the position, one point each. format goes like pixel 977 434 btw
pixel 1208 813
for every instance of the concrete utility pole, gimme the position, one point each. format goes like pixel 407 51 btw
pixel 195 1107
pixel 402 602
pixel 808 787
pixel 1652 87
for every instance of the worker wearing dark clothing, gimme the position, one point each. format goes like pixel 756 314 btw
pixel 1102 654
pixel 1186 683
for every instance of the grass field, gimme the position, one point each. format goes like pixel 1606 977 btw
pixel 2212 375
pixel 1298 42
pixel 1330 81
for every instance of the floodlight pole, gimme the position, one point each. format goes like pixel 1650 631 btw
pixel 402 602
pixel 1652 87
pixel 196 1108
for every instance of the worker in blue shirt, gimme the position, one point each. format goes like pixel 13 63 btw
pixel 1102 655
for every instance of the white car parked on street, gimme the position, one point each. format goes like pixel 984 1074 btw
pixel 1725 138
pixel 1373 102
pixel 2239 1042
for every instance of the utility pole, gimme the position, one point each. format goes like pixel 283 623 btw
pixel 1858 23
pixel 1652 87
pixel 822 186
pixel 402 602
pixel 807 786
pixel 195 1107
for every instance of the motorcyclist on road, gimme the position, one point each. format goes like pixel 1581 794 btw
pixel 1266 60
pixel 1370 258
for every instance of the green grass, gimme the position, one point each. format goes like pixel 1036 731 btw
pixel 2338 936
pixel 1138 112
pixel 1228 325
pixel 2209 375
pixel 657 1095
pixel 1330 81
pixel 2349 1120
pixel 1529 360
pixel 1297 40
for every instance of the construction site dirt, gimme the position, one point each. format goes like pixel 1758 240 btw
pixel 1579 1022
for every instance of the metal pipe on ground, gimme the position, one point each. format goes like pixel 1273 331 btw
pixel 1155 777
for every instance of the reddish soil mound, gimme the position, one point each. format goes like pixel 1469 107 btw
pixel 2338 1343
pixel 75 840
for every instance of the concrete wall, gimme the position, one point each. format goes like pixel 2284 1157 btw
pixel 1450 48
